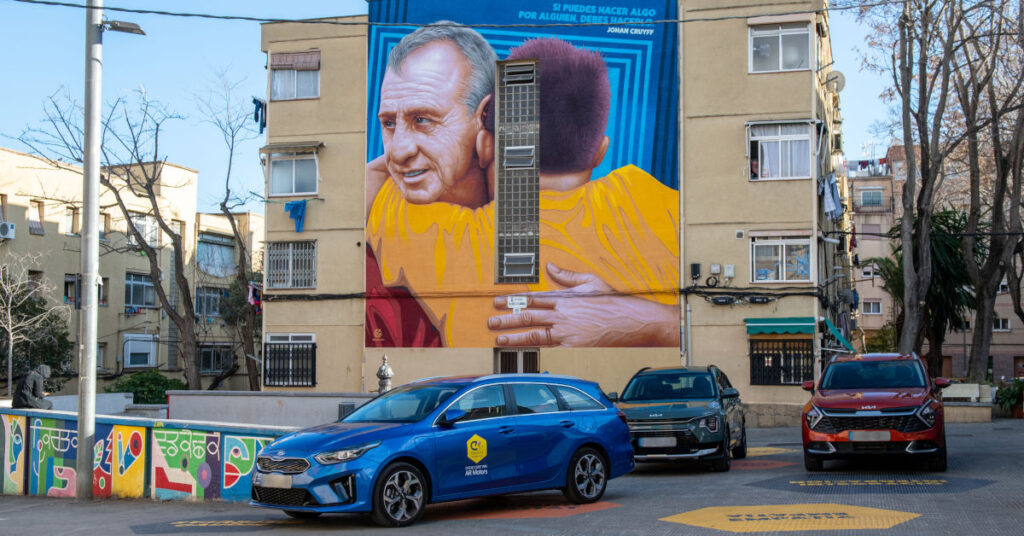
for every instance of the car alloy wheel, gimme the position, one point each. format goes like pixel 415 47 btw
pixel 587 478
pixel 400 496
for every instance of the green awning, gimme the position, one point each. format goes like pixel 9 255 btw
pixel 793 324
pixel 839 335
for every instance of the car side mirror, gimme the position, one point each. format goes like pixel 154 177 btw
pixel 452 416
pixel 730 392
pixel 942 383
pixel 808 385
pixel 614 397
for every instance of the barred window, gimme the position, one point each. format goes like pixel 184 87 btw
pixel 291 264
pixel 781 361
pixel 290 360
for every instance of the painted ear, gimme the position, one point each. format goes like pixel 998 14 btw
pixel 483 110
pixel 601 150
pixel 485 147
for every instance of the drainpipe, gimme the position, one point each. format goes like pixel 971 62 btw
pixel 689 335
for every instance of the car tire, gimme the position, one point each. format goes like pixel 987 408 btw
pixel 937 463
pixel 586 477
pixel 400 496
pixel 740 451
pixel 724 463
pixel 813 463
pixel 302 515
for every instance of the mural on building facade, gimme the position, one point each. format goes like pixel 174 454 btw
pixel 608 204
pixel 239 461
pixel 128 461
pixel 186 464
pixel 13 453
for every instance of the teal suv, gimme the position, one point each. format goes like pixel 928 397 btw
pixel 684 413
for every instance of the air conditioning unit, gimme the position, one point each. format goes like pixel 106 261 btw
pixel 7 230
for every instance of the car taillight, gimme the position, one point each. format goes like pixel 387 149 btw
pixel 622 417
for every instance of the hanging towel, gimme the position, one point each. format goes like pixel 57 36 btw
pixel 297 211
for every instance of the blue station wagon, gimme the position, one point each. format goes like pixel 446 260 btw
pixel 448 439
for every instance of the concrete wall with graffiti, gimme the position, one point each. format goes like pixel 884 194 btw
pixel 132 458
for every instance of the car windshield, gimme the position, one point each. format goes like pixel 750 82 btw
pixel 410 403
pixel 873 375
pixel 669 386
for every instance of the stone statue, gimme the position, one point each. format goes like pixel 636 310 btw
pixel 384 374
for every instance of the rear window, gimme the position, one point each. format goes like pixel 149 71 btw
pixel 873 375
pixel 575 399
pixel 669 386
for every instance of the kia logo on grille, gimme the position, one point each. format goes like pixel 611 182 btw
pixel 868 407
pixel 657 414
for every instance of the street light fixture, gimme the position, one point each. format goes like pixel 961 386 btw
pixel 94 27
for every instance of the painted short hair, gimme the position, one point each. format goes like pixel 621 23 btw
pixel 474 48
pixel 575 96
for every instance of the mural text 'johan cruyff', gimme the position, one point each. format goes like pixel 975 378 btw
pixel 465 209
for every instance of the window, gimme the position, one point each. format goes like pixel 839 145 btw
pixel 139 350
pixel 1000 324
pixel 293 174
pixel 870 270
pixel 208 300
pixel 966 325
pixel 291 265
pixel 516 361
pixel 101 348
pixel 871 198
pixel 780 47
pixel 482 403
pixel 295 75
pixel 781 361
pixel 872 307
pixel 3 207
pixel 147 227
pixel 289 360
pixel 214 357
pixel 1004 287
pixel 534 398
pixel 216 254
pixel 71 282
pixel 35 217
pixel 871 231
pixel 104 285
pixel 35 283
pixel 72 221
pixel 576 399
pixel 780 151
pixel 139 291
pixel 104 224
pixel 780 259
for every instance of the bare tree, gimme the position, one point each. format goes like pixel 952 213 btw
pixel 132 169
pixel 988 88
pixel 222 108
pixel 24 311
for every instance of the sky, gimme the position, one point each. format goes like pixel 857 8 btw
pixel 179 58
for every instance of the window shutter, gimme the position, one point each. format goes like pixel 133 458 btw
pixel 299 61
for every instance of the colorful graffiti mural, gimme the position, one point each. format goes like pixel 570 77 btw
pixel 239 461
pixel 602 207
pixel 13 453
pixel 132 458
pixel 186 464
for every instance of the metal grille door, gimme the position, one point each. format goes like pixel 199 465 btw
pixel 781 362
pixel 514 361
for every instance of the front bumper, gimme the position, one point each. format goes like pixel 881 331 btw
pixel 343 487
pixel 669 441
pixel 912 440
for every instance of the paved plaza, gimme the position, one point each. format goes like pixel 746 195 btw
pixel 769 492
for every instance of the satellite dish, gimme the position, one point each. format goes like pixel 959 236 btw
pixel 836 81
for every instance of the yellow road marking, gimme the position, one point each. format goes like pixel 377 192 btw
pixel 235 523
pixel 767 451
pixel 791 517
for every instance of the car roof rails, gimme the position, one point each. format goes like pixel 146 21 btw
pixel 643 369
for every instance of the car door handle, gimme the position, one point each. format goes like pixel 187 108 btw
pixel 506 429
pixel 567 424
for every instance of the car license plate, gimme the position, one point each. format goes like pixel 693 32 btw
pixel 657 441
pixel 277 481
pixel 870 435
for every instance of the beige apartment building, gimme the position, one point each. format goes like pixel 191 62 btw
pixel 763 256
pixel 872 200
pixel 43 202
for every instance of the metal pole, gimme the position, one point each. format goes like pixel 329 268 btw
pixel 689 336
pixel 90 250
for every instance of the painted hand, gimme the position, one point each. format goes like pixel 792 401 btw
pixel 587 313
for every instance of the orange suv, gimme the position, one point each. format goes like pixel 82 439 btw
pixel 874 404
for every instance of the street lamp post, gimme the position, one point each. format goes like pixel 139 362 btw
pixel 94 27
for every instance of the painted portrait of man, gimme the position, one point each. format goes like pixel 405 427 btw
pixel 608 242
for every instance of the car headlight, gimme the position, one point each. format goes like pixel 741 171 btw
pixel 710 422
pixel 927 413
pixel 813 417
pixel 344 455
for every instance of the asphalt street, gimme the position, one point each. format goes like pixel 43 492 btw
pixel 982 493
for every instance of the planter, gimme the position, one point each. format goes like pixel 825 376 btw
pixel 1018 412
